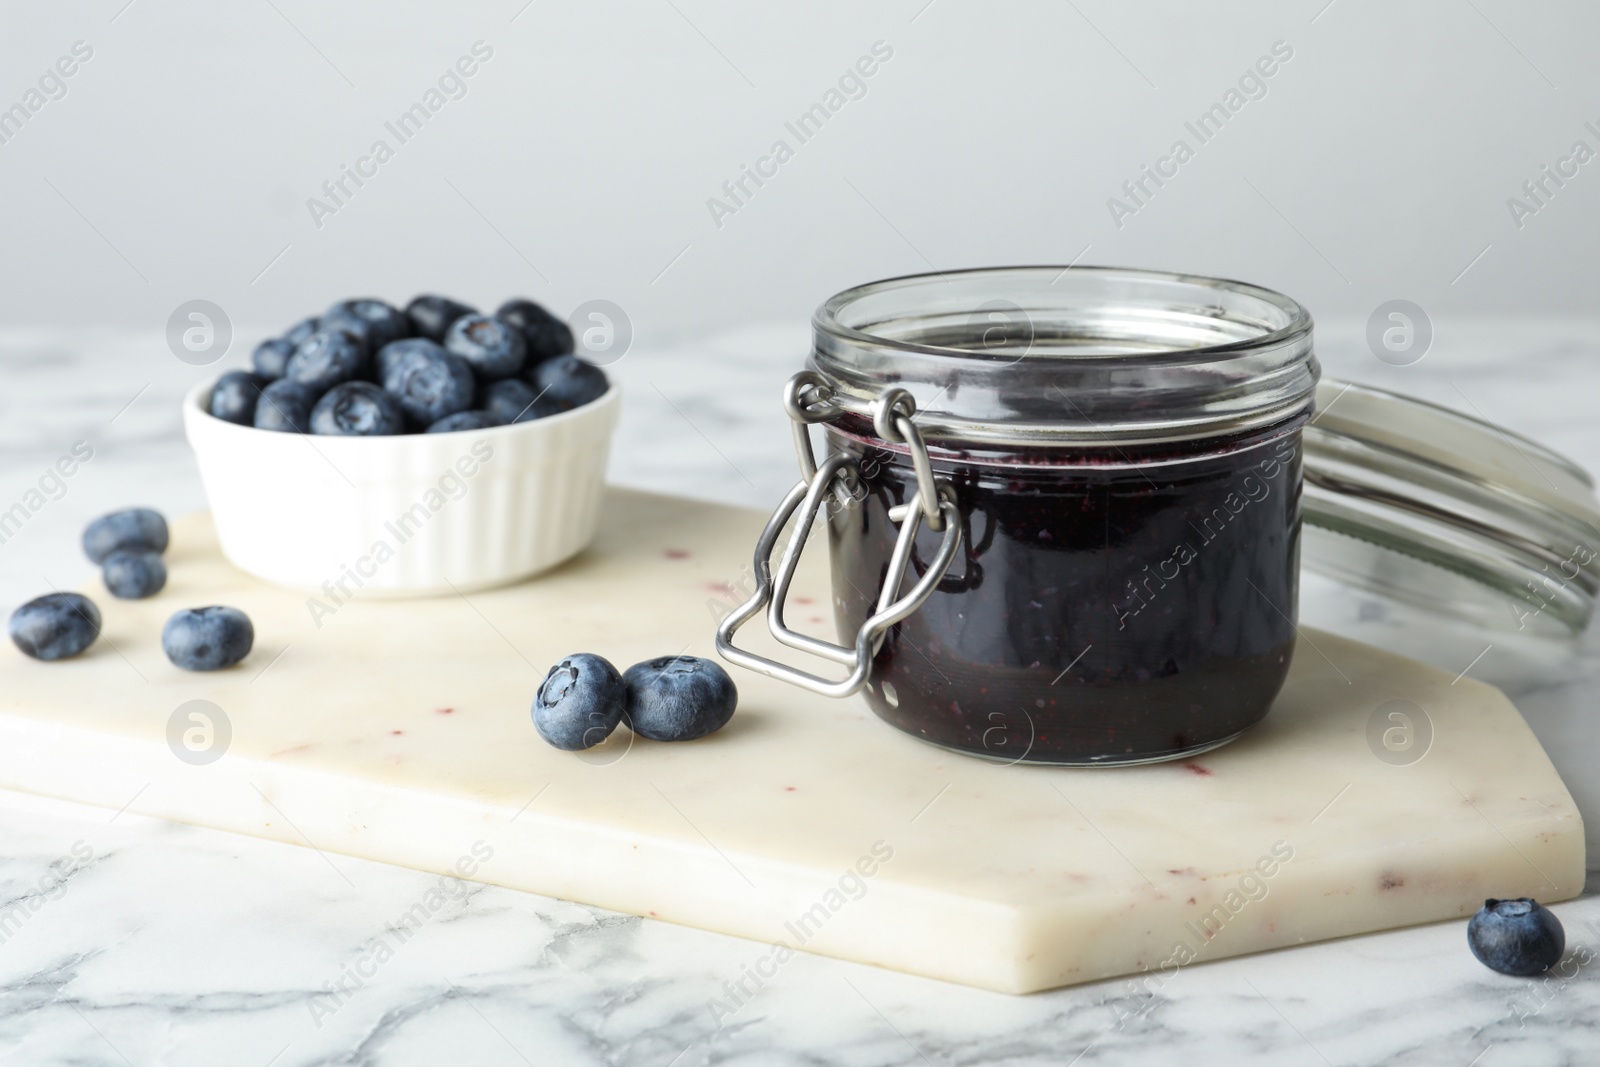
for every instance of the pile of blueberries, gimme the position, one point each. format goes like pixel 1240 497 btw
pixel 670 698
pixel 365 368
pixel 128 545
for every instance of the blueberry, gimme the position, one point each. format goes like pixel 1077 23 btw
pixel 234 396
pixel 431 315
pixel 327 358
pixel 568 382
pixel 357 409
pixel 207 639
pixel 428 382
pixel 286 406
pixel 135 528
pixel 1520 937
pixel 546 336
pixel 301 330
pixel 679 698
pixel 579 702
pixel 495 349
pixel 133 574
pixel 56 625
pixel 373 321
pixel 514 400
pixel 464 420
pixel 272 356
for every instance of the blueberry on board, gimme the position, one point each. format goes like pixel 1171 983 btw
pixel 431 315
pixel 545 335
pixel 493 348
pixel 579 702
pixel 514 400
pixel 374 321
pixel 568 382
pixel 234 396
pixel 133 574
pixel 135 528
pixel 428 382
pixel 464 420
pixel 207 639
pixel 286 406
pixel 301 330
pixel 679 698
pixel 327 358
pixel 55 626
pixel 1520 937
pixel 357 409
pixel 272 356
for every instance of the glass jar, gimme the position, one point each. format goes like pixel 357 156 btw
pixel 1063 508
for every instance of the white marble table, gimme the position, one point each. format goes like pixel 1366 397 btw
pixel 175 945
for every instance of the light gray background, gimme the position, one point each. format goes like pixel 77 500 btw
pixel 579 164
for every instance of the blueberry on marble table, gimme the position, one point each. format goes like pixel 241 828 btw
pixel 133 574
pixel 138 528
pixel 286 406
pixel 301 330
pixel 357 409
pixel 326 359
pixel 207 639
pixel 375 322
pixel 427 382
pixel 579 702
pixel 431 315
pixel 679 698
pixel 234 396
pixel 569 382
pixel 545 335
pixel 272 356
pixel 1519 937
pixel 464 420
pixel 514 400
pixel 493 348
pixel 55 626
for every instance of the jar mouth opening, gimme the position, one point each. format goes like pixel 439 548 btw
pixel 1111 315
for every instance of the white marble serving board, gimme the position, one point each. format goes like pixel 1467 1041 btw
pixel 399 731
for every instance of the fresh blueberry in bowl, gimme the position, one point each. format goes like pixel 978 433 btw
pixel 493 348
pixel 133 575
pixel 327 358
pixel 1518 937
pixel 301 330
pixel 234 396
pixel 285 406
pixel 431 315
pixel 545 335
pixel 679 698
pixel 132 528
pixel 207 639
pixel 428 382
pixel 375 322
pixel 514 400
pixel 55 626
pixel 579 703
pixel 272 356
pixel 464 420
pixel 568 382
pixel 357 409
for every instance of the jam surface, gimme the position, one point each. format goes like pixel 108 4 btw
pixel 1136 610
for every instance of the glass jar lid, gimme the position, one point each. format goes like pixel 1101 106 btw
pixel 1449 513
pixel 1090 357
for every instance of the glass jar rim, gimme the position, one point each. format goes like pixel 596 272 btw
pixel 1075 355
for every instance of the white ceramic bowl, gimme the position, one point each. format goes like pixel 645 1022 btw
pixel 409 515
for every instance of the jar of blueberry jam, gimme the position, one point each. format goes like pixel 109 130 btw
pixel 1063 508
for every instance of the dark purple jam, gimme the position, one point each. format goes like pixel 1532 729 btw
pixel 1108 605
